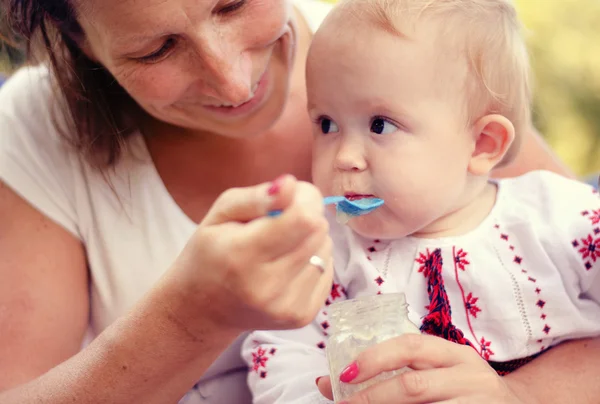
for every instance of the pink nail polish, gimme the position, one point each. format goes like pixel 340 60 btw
pixel 349 373
pixel 317 380
pixel 275 186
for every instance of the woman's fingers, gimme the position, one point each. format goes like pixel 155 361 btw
pixel 291 232
pixel 410 350
pixel 257 268
pixel 298 296
pixel 439 371
pixel 431 386
pixel 264 238
pixel 249 203
pixel 298 258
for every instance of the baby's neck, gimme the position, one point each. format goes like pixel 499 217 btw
pixel 465 218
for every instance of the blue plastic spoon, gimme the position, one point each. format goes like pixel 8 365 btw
pixel 345 206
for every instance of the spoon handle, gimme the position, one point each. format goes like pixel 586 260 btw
pixel 328 200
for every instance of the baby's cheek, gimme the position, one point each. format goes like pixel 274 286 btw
pixel 322 178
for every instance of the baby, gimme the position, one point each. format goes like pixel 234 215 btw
pixel 415 102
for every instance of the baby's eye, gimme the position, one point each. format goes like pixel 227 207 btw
pixel 328 126
pixel 382 126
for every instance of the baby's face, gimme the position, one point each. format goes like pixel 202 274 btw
pixel 388 122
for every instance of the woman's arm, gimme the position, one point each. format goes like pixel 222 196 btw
pixel 568 373
pixel 146 357
pixel 534 154
pixel 149 356
pixel 157 351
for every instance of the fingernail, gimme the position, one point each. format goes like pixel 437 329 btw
pixel 275 186
pixel 349 373
pixel 317 380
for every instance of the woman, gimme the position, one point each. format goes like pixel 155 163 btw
pixel 110 210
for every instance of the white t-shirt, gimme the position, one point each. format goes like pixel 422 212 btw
pixel 526 279
pixel 132 233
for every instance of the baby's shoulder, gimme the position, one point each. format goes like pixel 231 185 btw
pixel 545 199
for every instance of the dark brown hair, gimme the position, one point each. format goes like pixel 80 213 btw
pixel 98 110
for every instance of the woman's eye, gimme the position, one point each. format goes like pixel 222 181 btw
pixel 382 126
pixel 328 126
pixel 231 7
pixel 161 53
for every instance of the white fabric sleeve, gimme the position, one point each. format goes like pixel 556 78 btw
pixel 34 161
pixel 283 365
pixel 571 235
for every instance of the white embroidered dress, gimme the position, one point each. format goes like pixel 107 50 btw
pixel 524 280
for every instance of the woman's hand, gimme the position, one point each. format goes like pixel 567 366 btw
pixel 250 271
pixel 443 372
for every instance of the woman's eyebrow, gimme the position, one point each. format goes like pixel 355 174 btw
pixel 125 39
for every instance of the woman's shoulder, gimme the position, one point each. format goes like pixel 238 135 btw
pixel 29 88
pixel 313 11
pixel 29 108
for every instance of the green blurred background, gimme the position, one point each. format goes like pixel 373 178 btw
pixel 564 41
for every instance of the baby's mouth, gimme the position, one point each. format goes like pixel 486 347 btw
pixel 352 196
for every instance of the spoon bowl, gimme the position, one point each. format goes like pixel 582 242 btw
pixel 347 207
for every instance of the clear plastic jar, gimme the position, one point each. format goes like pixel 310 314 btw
pixel 357 324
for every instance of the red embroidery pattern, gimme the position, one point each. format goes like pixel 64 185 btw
pixel 594 216
pixel 337 292
pixel 370 251
pixel 426 261
pixel 259 360
pixel 540 303
pixel 470 302
pixel 460 259
pixel 438 321
pixel 471 305
pixel 589 246
pixel 486 352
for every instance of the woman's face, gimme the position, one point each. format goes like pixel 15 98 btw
pixel 220 66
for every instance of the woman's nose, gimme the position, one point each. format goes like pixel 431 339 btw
pixel 226 72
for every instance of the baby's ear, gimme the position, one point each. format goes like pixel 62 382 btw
pixel 493 136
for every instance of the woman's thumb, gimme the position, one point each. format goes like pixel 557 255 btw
pixel 249 203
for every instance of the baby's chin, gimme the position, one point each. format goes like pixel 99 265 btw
pixel 371 227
